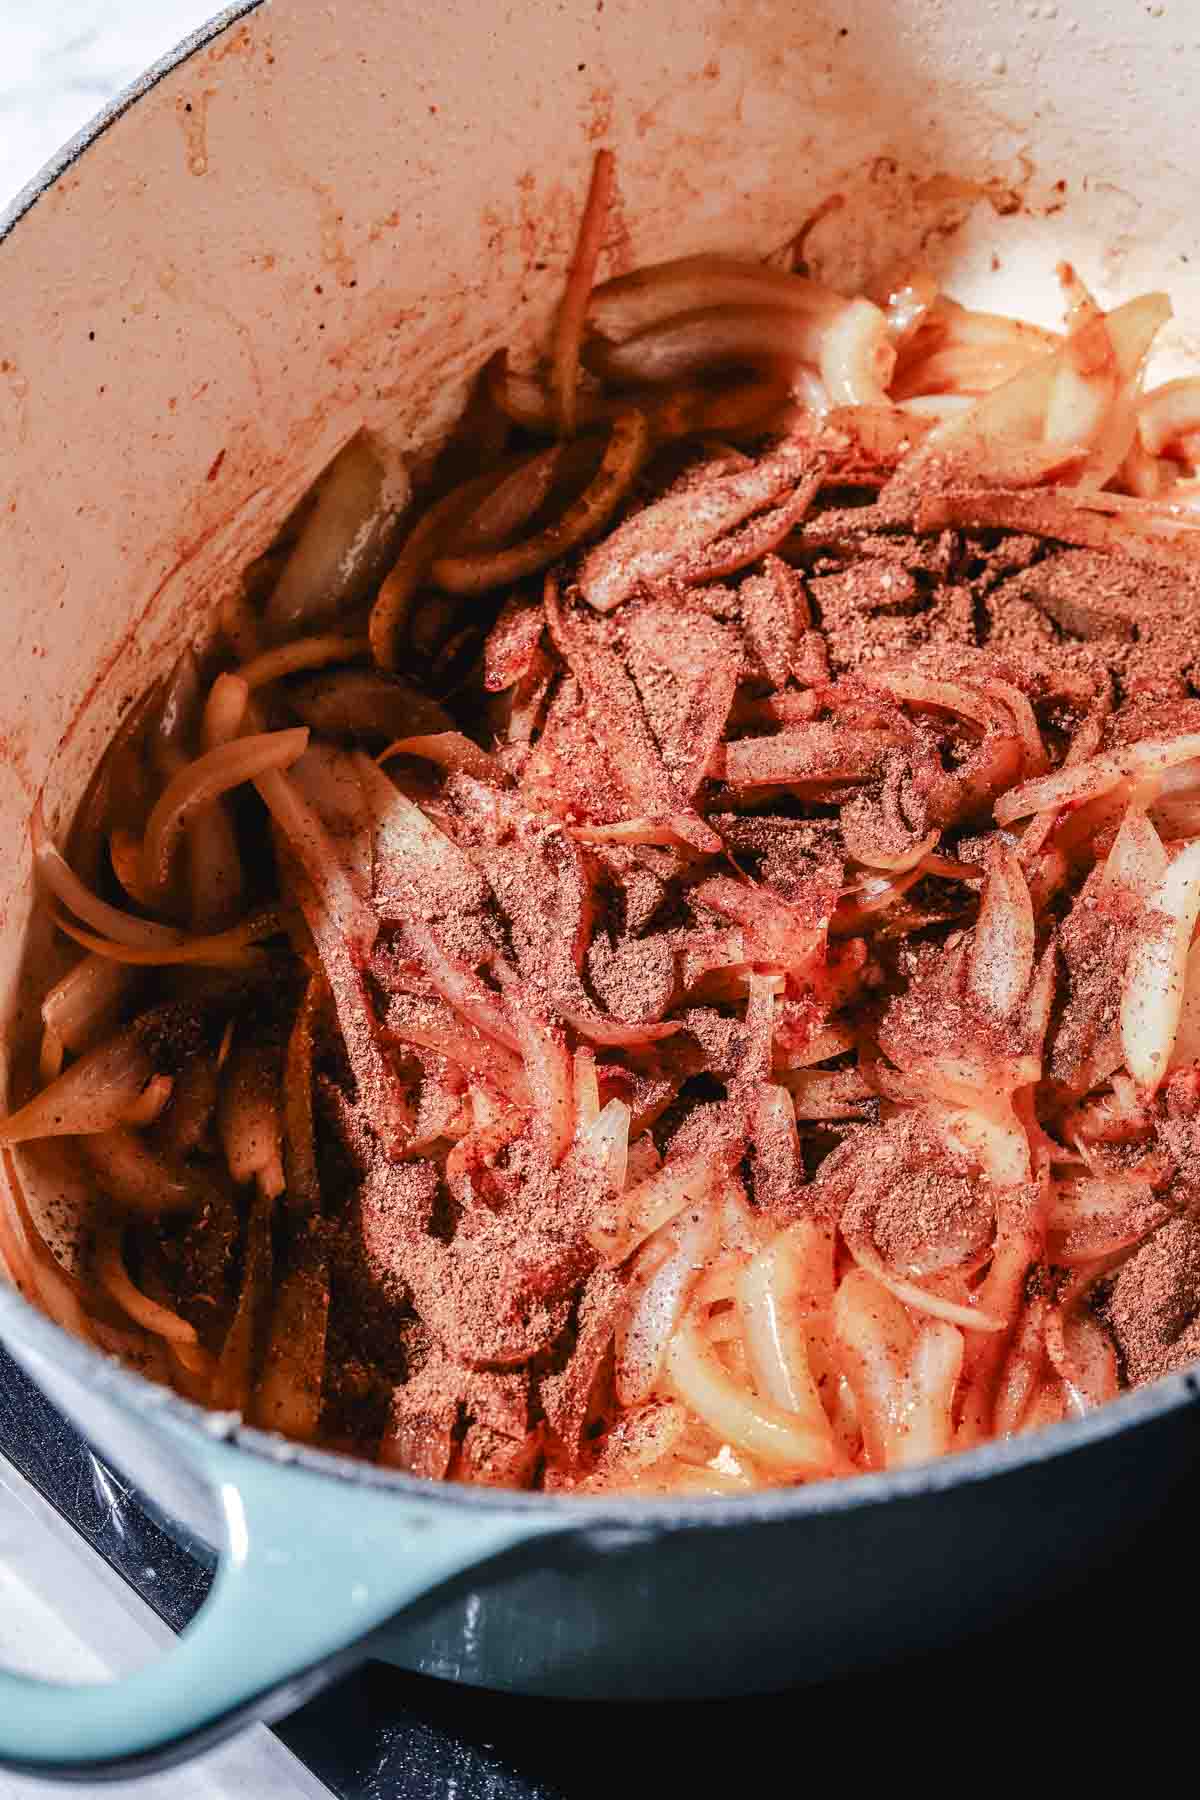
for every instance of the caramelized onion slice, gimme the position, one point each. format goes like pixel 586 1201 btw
pixel 658 291
pixel 849 345
pixel 114 1277
pixel 628 446
pixel 86 1002
pixel 93 1094
pixel 292 658
pixel 452 751
pixel 201 781
pixel 138 1180
pixel 231 949
pixel 393 603
pixel 59 879
pixel 564 377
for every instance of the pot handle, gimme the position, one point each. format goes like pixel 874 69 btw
pixel 309 1567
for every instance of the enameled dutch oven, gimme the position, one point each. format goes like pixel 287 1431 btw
pixel 313 218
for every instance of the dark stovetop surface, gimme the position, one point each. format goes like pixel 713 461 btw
pixel 382 1735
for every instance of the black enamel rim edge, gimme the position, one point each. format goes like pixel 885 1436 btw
pixel 21 1324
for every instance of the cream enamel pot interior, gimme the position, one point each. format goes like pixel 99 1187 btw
pixel 312 218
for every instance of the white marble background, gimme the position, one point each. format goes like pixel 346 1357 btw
pixel 61 1610
pixel 62 60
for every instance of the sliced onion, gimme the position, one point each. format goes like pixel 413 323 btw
pixel 906 293
pixel 1088 780
pixel 548 1069
pixel 232 1381
pixel 994 1138
pixel 933 1376
pixel 114 1278
pixel 774 1309
pixel 393 603
pixel 568 334
pixel 605 1141
pixel 659 291
pixel 1168 540
pixel 1089 1217
pixel 93 1094
pixel 761 535
pixel 1137 863
pixel 628 446
pixel 1186 1048
pixel 649 544
pixel 1083 1355
pixel 848 344
pixel 1085 386
pixel 776 932
pixel 343 926
pixel 821 752
pixel 288 1398
pixel 344 542
pixel 136 1179
pixel 1000 960
pixel 55 874
pixel 150 1103
pixel 200 782
pixel 86 1003
pixel 290 659
pixel 873 1340
pixel 224 710
pixel 1168 413
pixel 30 1262
pixel 970 1318
pixel 773 1436
pixel 434 1026
pixel 299 1139
pixel 462 988
pixel 1131 330
pixel 665 1275
pixel 682 1181
pixel 248 1119
pixel 452 751
pixel 223 950
pixel 1153 990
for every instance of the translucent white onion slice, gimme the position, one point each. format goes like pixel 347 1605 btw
pixel 773 1309
pixel 773 1436
pixel 1087 780
pixel 1137 862
pixel 1187 1038
pixel 1000 960
pixel 667 1273
pixel 1153 992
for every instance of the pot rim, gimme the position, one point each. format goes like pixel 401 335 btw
pixel 22 1323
